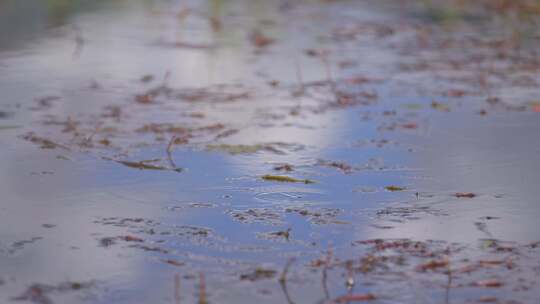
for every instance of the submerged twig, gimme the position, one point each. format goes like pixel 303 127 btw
pixel 79 43
pixel 142 165
pixel 177 289
pixel 170 147
pixel 299 78
pixel 87 142
pixel 448 285
pixel 325 273
pixel 166 78
pixel 202 289
pixel 350 277
pixel 283 280
pixel 328 71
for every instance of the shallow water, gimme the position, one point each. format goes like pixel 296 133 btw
pixel 80 121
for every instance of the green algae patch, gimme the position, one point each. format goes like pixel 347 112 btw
pixel 9 127
pixel 286 179
pixel 236 149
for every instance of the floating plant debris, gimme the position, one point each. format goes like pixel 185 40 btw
pixel 344 167
pixel 284 167
pixel 259 39
pixel 488 283
pixel 173 262
pixel 143 165
pixel 285 233
pixel 41 293
pixel 440 106
pixel 286 179
pixel 259 274
pixel 44 143
pixel 433 265
pixel 355 298
pixel 258 101
pixel 394 188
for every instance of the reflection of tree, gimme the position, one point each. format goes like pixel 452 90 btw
pixel 59 11
pixel 26 20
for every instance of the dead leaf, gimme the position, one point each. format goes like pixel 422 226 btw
pixel 456 93
pixel 394 188
pixel 440 106
pixel 173 262
pixel 488 283
pixel 410 125
pixel 434 264
pixel 131 238
pixel 260 40
pixel 144 98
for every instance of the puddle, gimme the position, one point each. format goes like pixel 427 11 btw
pixel 232 152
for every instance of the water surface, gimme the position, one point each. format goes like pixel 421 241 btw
pixel 137 136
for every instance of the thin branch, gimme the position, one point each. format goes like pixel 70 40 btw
pixel 170 148
pixel 350 277
pixel 329 78
pixel 448 285
pixel 79 42
pixel 283 280
pixel 202 289
pixel 177 289
pixel 299 78
pixel 325 273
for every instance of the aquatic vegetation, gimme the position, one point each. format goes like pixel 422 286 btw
pixel 9 127
pixel 288 142
pixel 237 149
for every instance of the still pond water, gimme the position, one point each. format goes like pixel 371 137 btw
pixel 264 151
